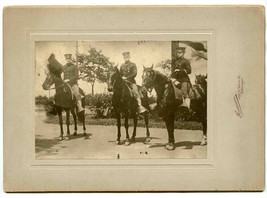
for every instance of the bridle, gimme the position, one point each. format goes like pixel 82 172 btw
pixel 151 73
pixel 51 80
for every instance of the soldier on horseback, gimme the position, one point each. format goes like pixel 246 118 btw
pixel 71 76
pixel 179 74
pixel 128 71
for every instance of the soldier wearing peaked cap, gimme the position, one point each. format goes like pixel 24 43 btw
pixel 179 74
pixel 128 71
pixel 71 76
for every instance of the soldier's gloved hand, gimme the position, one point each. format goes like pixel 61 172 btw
pixel 176 70
pixel 175 82
pixel 66 80
pixel 124 78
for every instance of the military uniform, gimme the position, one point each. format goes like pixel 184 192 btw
pixel 129 71
pixel 180 69
pixel 71 75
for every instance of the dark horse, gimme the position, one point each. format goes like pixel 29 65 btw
pixel 64 100
pixel 168 105
pixel 124 102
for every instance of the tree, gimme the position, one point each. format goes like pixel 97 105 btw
pixel 165 67
pixel 93 66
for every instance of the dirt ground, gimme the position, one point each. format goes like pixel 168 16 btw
pixel 100 143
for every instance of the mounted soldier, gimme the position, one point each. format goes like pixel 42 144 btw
pixel 128 71
pixel 179 75
pixel 71 76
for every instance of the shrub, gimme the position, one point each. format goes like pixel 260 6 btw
pixel 98 103
pixel 41 100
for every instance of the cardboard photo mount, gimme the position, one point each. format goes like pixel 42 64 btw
pixel 235 37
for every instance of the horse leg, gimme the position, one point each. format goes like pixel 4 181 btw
pixel 84 128
pixel 119 127
pixel 60 123
pixel 147 129
pixel 75 121
pixel 68 123
pixel 127 141
pixel 134 127
pixel 204 137
pixel 169 120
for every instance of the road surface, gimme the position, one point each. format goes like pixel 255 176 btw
pixel 100 143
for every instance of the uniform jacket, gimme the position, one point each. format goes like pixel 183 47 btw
pixel 71 72
pixel 185 68
pixel 129 70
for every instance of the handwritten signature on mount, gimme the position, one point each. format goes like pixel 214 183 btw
pixel 237 97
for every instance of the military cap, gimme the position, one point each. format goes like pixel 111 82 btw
pixel 180 48
pixel 68 56
pixel 126 53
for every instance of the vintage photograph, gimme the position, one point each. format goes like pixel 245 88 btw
pixel 121 99
pixel 124 98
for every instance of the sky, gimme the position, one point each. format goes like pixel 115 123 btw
pixel 142 53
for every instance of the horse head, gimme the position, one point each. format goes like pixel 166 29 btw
pixel 201 79
pixel 148 78
pixel 49 81
pixel 113 75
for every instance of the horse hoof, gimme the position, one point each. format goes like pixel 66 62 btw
pixel 117 142
pixel 84 134
pixel 75 133
pixel 203 141
pixel 147 139
pixel 60 138
pixel 67 138
pixel 127 143
pixel 170 147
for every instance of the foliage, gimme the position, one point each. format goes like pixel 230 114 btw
pixel 165 67
pixel 93 66
pixel 98 103
pixel 41 100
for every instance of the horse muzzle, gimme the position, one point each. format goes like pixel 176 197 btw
pixel 45 87
pixel 110 89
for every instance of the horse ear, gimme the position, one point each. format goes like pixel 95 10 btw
pixel 143 67
pixel 206 76
pixel 152 66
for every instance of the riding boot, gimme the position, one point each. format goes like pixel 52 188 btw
pixel 79 106
pixel 141 109
pixel 80 111
pixel 186 103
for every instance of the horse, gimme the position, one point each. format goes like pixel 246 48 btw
pixel 199 103
pixel 64 100
pixel 125 103
pixel 166 102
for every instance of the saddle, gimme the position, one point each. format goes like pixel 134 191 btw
pixel 129 86
pixel 177 92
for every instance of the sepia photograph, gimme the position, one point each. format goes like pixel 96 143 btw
pixel 133 98
pixel 121 99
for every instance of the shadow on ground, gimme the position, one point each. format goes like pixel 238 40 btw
pixel 45 145
pixel 186 144
pixel 81 135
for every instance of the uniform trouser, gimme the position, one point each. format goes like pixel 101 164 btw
pixel 185 88
pixel 77 95
pixel 138 97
